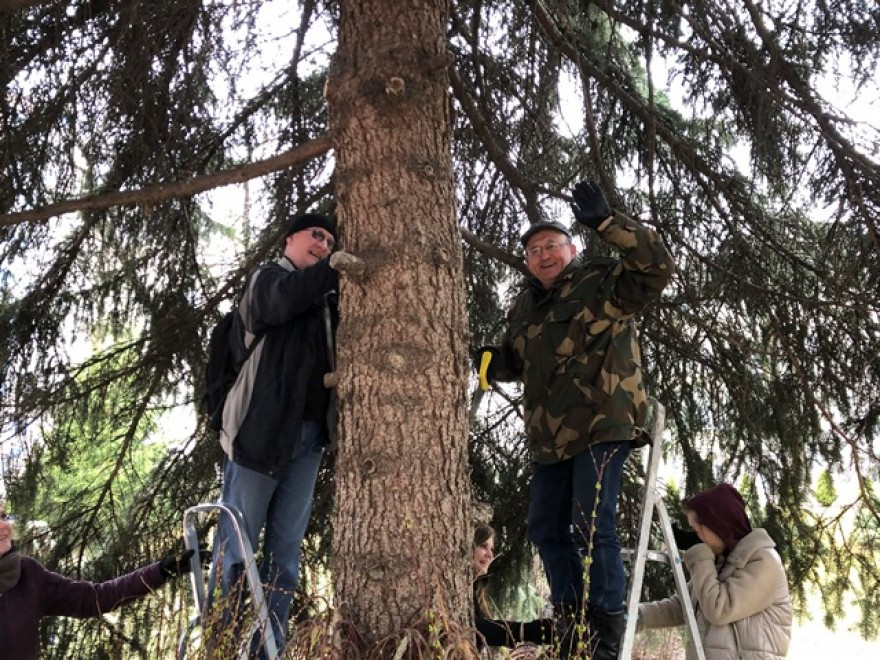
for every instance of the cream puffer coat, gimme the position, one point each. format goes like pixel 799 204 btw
pixel 741 602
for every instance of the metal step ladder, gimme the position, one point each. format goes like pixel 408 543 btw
pixel 651 503
pixel 202 596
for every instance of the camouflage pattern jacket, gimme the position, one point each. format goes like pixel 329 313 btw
pixel 575 347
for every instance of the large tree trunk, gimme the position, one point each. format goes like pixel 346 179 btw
pixel 401 533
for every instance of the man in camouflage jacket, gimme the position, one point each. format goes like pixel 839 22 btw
pixel 572 341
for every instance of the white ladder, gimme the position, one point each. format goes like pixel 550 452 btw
pixel 652 502
pixel 202 599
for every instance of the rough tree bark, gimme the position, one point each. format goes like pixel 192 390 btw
pixel 401 534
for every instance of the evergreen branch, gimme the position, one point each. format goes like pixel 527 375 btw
pixel 846 154
pixel 9 7
pixel 496 153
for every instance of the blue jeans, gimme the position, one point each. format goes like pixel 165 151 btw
pixel 283 506
pixel 560 512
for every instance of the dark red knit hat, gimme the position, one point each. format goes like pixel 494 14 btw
pixel 723 510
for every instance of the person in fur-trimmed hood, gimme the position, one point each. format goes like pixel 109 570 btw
pixel 738 584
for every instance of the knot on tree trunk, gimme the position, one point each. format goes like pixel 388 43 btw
pixel 395 86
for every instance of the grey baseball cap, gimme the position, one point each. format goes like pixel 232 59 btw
pixel 540 226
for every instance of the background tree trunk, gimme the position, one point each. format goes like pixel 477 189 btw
pixel 401 533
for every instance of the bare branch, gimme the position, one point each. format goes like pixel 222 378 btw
pixel 164 191
pixel 493 251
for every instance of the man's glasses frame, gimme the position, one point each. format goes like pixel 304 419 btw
pixel 321 237
pixel 549 248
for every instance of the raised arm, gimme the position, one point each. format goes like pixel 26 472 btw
pixel 646 266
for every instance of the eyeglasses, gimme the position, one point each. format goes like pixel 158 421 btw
pixel 321 237
pixel 549 248
pixel 8 517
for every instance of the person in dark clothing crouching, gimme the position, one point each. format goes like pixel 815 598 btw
pixel 29 591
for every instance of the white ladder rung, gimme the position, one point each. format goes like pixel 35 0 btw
pixel 628 554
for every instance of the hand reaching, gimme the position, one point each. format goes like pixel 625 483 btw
pixel 590 207
pixel 176 564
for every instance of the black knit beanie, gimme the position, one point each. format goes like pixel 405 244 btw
pixel 306 220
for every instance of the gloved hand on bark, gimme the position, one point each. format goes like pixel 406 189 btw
pixel 590 207
pixel 684 538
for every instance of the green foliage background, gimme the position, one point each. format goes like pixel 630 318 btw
pixel 764 349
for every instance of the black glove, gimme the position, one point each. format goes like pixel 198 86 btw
pixel 176 564
pixel 590 207
pixel 477 358
pixel 684 538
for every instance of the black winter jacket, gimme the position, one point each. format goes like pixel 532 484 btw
pixel 293 313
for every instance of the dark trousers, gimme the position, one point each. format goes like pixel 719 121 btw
pixel 564 512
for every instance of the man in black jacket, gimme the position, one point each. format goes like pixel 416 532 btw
pixel 278 414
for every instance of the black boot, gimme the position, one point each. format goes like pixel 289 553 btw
pixel 607 629
pixel 571 630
